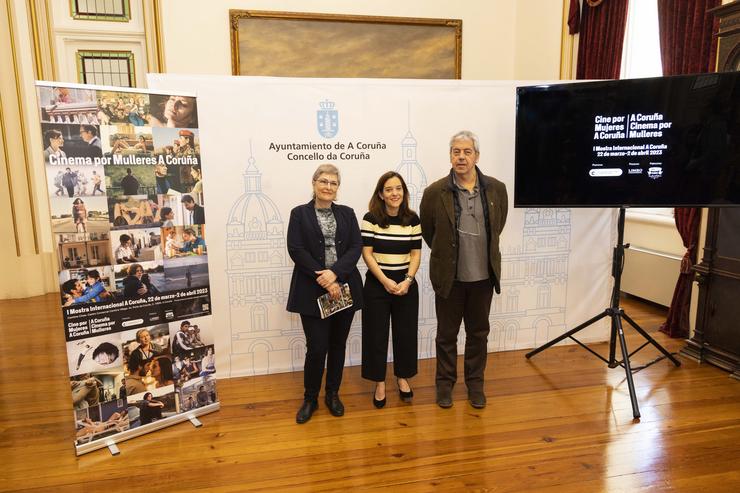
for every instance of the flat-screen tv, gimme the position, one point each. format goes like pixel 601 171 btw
pixel 656 142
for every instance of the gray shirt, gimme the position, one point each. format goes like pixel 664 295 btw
pixel 472 253
pixel 328 225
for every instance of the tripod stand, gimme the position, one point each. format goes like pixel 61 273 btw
pixel 616 314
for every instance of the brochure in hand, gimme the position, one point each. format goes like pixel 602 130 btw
pixel 328 306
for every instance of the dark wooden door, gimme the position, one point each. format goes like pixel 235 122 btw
pixel 716 339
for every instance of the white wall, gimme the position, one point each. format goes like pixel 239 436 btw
pixel 502 39
pixel 656 233
pixel 653 261
pixel 537 39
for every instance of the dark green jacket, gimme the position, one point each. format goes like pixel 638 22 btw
pixel 440 214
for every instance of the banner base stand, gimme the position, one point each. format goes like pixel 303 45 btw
pixel 112 447
pixel 111 442
pixel 196 422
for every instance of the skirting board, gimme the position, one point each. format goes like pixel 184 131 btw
pixel 143 430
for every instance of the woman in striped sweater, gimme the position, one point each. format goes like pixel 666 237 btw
pixel 391 236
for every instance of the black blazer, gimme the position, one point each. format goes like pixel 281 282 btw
pixel 199 214
pixel 306 248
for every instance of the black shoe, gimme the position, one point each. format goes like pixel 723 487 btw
pixel 306 410
pixel 477 399
pixel 378 403
pixel 336 408
pixel 444 399
pixel 405 396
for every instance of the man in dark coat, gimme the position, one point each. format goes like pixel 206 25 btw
pixel 462 216
pixel 197 212
pixel 129 183
pixel 89 134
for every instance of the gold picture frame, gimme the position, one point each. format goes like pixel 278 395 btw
pixel 296 44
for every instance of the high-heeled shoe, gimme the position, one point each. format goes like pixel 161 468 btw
pixel 405 396
pixel 378 403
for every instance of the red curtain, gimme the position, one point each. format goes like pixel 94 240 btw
pixel 574 17
pixel 677 321
pixel 686 42
pixel 687 46
pixel 601 40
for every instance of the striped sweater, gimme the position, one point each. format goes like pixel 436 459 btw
pixel 391 245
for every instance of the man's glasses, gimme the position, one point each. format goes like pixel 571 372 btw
pixel 467 152
pixel 467 228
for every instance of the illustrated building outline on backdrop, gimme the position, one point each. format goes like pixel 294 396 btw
pixel 265 338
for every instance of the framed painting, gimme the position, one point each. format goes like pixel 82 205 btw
pixel 293 44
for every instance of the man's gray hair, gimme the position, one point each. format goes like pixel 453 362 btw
pixel 465 134
pixel 328 169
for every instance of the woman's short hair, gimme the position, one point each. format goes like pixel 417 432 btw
pixel 326 169
pixel 133 268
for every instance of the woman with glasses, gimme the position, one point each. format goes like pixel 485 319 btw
pixel 324 242
pixel 56 141
pixel 391 238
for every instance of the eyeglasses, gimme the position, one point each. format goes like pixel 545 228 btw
pixel 326 183
pixel 467 228
pixel 470 233
pixel 468 152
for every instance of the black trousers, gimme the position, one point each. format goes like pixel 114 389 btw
pixel 326 341
pixel 380 310
pixel 471 302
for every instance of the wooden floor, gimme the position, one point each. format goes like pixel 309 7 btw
pixel 560 422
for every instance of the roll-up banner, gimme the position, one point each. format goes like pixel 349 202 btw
pixel 125 183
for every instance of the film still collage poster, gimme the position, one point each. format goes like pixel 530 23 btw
pixel 124 178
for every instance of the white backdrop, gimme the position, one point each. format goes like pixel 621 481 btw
pixel 556 262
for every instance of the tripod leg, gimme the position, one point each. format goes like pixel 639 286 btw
pixel 567 334
pixel 625 357
pixel 612 342
pixel 650 339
